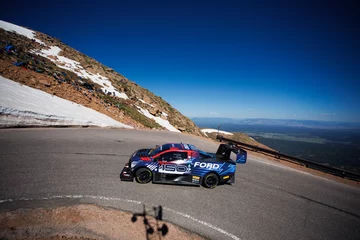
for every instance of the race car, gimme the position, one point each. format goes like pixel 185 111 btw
pixel 179 163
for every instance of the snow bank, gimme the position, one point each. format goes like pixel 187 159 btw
pixel 21 105
pixel 159 120
pixel 75 67
pixel 211 130
pixel 19 30
pixel 146 103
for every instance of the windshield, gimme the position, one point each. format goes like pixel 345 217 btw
pixel 155 151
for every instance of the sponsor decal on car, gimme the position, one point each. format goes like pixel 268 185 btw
pixel 207 165
pixel 195 179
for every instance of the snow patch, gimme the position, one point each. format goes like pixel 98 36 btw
pixel 159 120
pixel 22 105
pixel 165 114
pixel 146 103
pixel 19 30
pixel 66 63
pixel 211 130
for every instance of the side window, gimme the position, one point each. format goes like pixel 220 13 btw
pixel 173 156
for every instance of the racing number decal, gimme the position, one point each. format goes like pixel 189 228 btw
pixel 172 168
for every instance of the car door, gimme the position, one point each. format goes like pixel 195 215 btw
pixel 171 164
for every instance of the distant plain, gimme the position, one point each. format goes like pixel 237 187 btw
pixel 334 147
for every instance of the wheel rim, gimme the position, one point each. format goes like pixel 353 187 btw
pixel 144 176
pixel 211 181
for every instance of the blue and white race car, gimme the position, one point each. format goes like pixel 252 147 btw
pixel 179 163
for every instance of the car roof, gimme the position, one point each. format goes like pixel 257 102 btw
pixel 177 146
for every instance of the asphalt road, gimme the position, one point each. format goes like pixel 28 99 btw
pixel 267 201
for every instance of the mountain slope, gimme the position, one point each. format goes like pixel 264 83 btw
pixel 41 61
pixel 45 109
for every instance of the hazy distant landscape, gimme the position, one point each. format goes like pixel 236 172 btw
pixel 335 144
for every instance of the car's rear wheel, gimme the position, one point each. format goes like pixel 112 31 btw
pixel 211 180
pixel 143 175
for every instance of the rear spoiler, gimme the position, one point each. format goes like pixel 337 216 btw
pixel 225 150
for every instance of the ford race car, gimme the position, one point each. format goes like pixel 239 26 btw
pixel 179 163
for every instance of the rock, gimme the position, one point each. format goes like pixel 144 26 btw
pixel 182 129
pixel 33 80
pixel 121 115
pixel 163 117
pixel 154 111
pixel 109 70
pixel 146 99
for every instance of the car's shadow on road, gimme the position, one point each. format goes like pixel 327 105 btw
pixel 192 186
pixel 178 185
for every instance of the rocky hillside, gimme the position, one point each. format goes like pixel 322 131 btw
pixel 43 62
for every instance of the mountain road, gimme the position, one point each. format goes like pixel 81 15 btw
pixel 64 166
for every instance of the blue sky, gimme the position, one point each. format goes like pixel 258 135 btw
pixel 235 59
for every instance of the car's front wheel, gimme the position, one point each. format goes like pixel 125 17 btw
pixel 211 180
pixel 143 175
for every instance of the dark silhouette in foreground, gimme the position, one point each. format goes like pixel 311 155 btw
pixel 161 231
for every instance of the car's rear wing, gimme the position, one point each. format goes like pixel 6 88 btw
pixel 225 151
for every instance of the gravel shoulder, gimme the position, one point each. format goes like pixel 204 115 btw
pixel 84 221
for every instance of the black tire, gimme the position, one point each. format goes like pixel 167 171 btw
pixel 143 175
pixel 211 180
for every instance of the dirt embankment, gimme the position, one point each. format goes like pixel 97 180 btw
pixel 67 91
pixel 82 222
